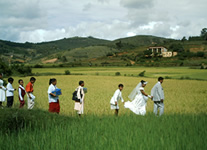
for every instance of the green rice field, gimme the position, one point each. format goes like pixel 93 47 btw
pixel 183 125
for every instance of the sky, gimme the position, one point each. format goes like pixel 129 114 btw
pixel 48 20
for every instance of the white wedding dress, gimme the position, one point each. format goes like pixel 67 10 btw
pixel 2 91
pixel 138 105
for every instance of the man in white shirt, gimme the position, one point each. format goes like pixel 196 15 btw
pixel 157 94
pixel 116 97
pixel 10 92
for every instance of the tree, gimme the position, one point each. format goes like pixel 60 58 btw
pixel 148 53
pixel 64 59
pixel 119 45
pixel 200 54
pixel 5 69
pixel 176 48
pixel 184 39
pixel 204 33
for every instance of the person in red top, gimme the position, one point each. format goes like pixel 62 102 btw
pixel 30 96
pixel 22 93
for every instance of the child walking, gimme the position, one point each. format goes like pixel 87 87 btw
pixel 22 93
pixel 10 92
pixel 79 105
pixel 116 97
pixel 54 105
pixel 30 90
pixel 2 90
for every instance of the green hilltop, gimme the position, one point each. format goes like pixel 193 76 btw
pixel 93 51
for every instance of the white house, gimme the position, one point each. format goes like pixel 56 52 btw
pixel 162 51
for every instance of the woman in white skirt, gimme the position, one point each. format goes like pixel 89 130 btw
pixel 79 106
pixel 2 91
pixel 139 99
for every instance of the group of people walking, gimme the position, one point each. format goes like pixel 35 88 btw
pixel 53 96
pixel 7 93
pixel 137 104
pixel 139 98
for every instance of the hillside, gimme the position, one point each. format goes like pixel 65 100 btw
pixel 33 51
pixel 142 40
pixel 78 50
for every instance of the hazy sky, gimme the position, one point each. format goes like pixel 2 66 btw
pixel 46 20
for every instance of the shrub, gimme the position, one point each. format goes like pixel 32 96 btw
pixel 38 66
pixel 97 73
pixel 202 67
pixel 200 54
pixel 109 54
pixel 167 77
pixel 183 78
pixel 117 73
pixel 67 72
pixel 61 65
pixel 142 73
pixel 23 70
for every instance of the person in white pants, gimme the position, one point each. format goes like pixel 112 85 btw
pixel 157 94
pixel 30 96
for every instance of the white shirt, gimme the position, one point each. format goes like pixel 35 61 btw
pixel 50 97
pixel 80 92
pixel 9 90
pixel 20 92
pixel 117 96
pixel 157 92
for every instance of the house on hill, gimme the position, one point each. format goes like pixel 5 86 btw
pixel 161 51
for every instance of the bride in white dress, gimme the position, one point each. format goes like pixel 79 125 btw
pixel 139 99
pixel 2 90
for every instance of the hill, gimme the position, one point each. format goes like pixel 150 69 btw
pixel 33 51
pixel 84 51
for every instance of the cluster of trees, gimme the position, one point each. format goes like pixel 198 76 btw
pixel 4 68
pixel 14 69
pixel 202 37
pixel 204 34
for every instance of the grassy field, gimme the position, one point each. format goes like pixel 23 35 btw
pixel 45 131
pixel 151 72
pixel 183 125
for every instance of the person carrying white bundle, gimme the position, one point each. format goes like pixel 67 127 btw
pixel 139 99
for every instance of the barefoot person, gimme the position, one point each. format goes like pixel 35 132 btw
pixel 30 90
pixel 2 90
pixel 53 97
pixel 158 96
pixel 116 97
pixel 139 99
